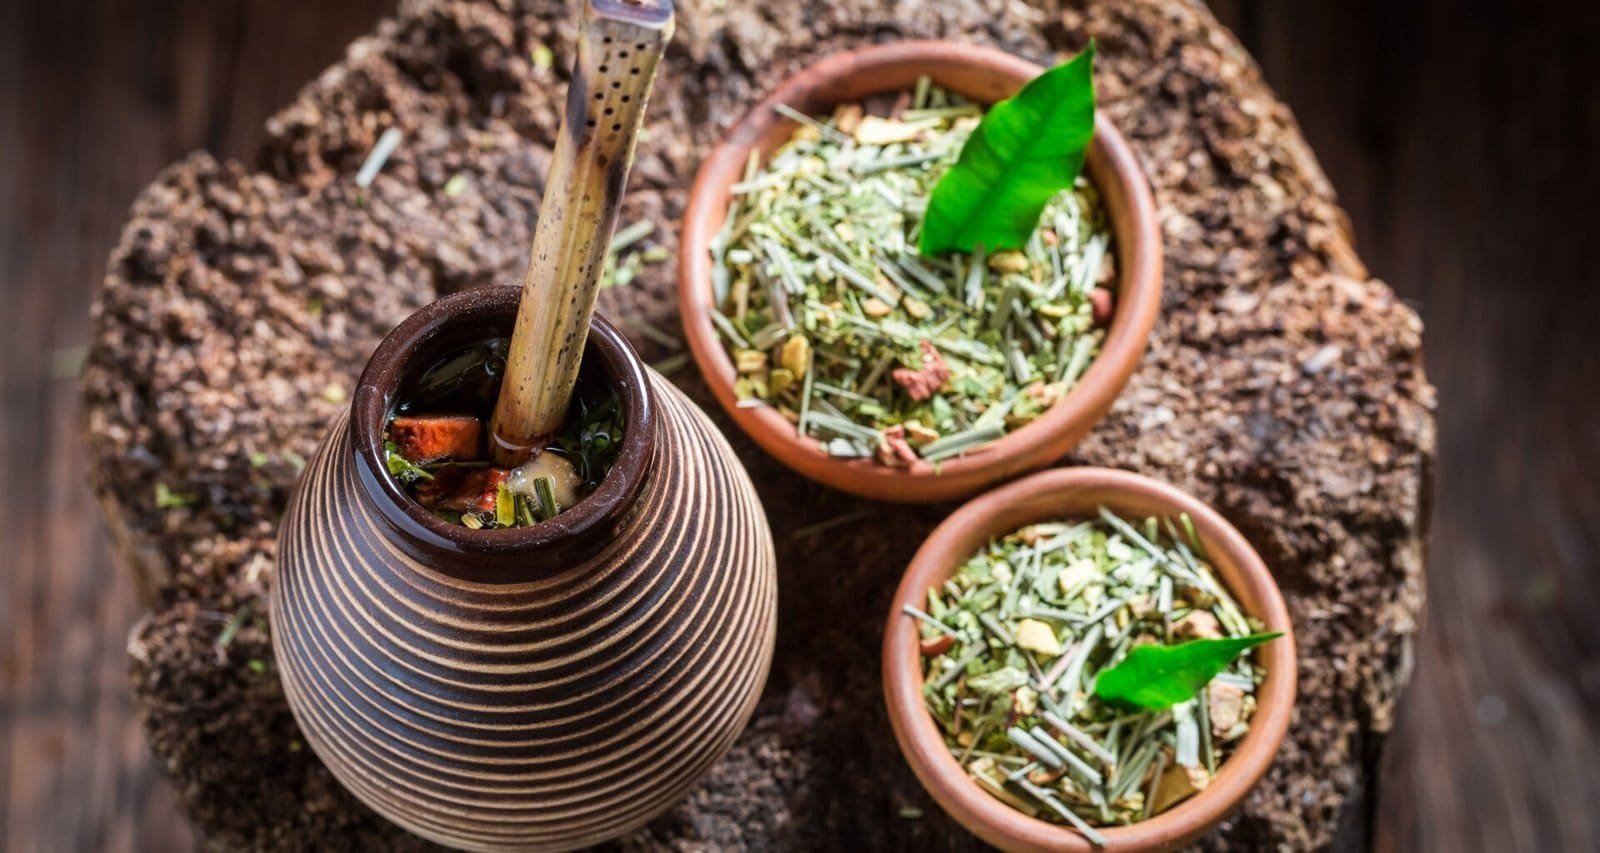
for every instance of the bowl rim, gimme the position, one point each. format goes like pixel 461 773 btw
pixel 986 74
pixel 1035 498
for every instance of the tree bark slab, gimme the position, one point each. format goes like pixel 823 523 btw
pixel 1283 384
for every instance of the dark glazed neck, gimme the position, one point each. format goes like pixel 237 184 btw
pixel 497 556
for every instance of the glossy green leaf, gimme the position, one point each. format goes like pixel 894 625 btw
pixel 1027 148
pixel 1158 677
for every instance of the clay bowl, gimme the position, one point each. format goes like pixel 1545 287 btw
pixel 1076 493
pixel 542 688
pixel 984 75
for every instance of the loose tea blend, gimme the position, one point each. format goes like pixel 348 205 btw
pixel 1089 672
pixel 436 446
pixel 831 314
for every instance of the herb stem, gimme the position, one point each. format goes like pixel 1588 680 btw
pixel 1080 738
pixel 1074 763
pixel 1060 808
pixel 1034 748
pixel 928 620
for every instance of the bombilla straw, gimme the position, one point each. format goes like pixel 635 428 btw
pixel 620 43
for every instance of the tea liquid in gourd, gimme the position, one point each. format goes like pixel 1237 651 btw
pixel 436 445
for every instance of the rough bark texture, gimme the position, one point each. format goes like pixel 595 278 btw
pixel 1283 385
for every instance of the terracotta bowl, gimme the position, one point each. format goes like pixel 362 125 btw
pixel 540 688
pixel 984 75
pixel 1070 493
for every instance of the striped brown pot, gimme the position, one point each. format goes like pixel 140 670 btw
pixel 540 688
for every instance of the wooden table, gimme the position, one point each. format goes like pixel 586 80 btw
pixel 1495 748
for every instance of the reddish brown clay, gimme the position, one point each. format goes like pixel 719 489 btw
pixel 1068 493
pixel 982 74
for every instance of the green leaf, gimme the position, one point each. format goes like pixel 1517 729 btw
pixel 1158 677
pixel 1027 148
pixel 166 498
pixel 401 468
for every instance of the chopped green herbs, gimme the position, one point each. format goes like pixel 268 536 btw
pixel 592 435
pixel 831 315
pixel 401 468
pixel 544 493
pixel 505 506
pixel 1047 650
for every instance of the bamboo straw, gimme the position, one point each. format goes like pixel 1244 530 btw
pixel 620 43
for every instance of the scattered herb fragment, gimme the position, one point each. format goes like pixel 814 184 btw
pixel 376 158
pixel 1024 643
pixel 671 364
pixel 166 498
pixel 295 459
pixel 542 56
pixel 230 631
pixel 628 254
pixel 67 362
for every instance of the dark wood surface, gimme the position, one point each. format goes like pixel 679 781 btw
pixel 1462 145
pixel 1461 142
